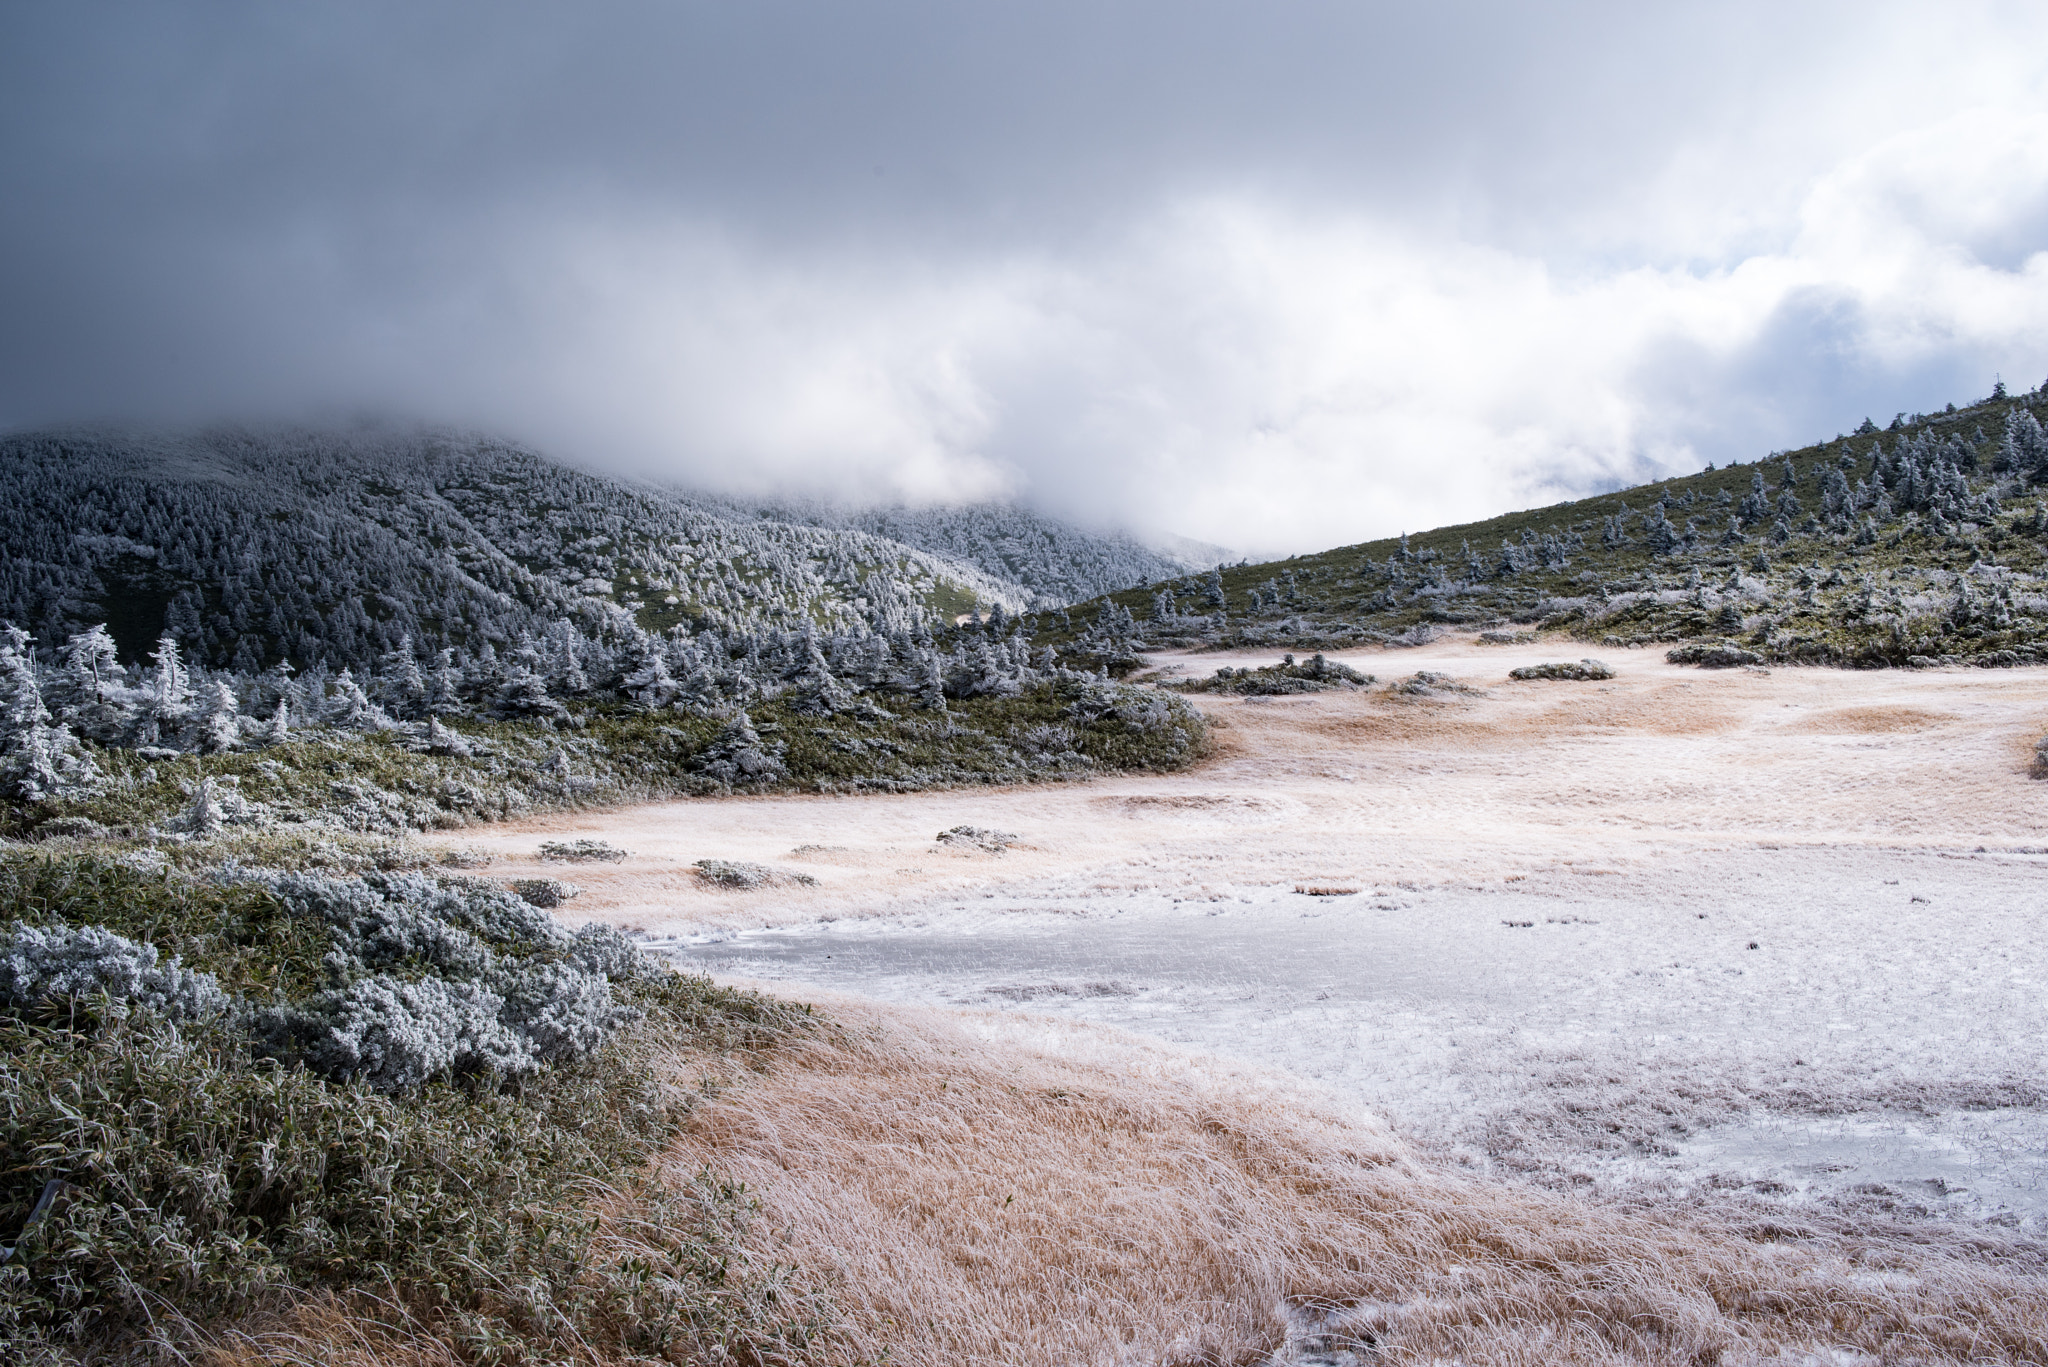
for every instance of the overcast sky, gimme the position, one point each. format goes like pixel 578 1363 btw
pixel 1279 275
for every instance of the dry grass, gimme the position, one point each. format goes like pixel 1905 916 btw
pixel 1005 1191
pixel 332 1331
pixel 1876 721
pixel 1000 1190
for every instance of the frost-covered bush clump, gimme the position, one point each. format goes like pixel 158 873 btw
pixel 1425 683
pixel 430 978
pixel 1563 669
pixel 737 873
pixel 738 755
pixel 395 1035
pixel 382 919
pixel 1313 675
pixel 1713 656
pixel 544 892
pixel 579 852
pixel 976 837
pixel 56 962
pixel 425 979
pixel 607 951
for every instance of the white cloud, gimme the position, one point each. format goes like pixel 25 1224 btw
pixel 1279 280
pixel 1262 376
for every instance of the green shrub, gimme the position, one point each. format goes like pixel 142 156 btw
pixel 200 1181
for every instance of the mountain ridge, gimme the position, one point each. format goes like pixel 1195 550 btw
pixel 1923 542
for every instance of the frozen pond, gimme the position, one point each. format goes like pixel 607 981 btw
pixel 1850 1029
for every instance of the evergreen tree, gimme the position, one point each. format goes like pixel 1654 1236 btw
pixel 278 729
pixel 39 758
pixel 738 755
pixel 218 724
pixel 91 691
pixel 401 686
pixel 349 707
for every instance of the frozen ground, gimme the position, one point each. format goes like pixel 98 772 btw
pixel 1768 943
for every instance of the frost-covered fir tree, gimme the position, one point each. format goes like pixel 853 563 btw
pixel 647 679
pixel 817 691
pixel 90 692
pixel 39 757
pixel 738 755
pixel 217 722
pixel 349 708
pixel 166 701
pixel 401 687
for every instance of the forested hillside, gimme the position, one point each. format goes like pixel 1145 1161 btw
pixel 249 547
pixel 1051 562
pixel 1922 542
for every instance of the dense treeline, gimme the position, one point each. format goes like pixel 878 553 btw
pixel 1053 562
pixel 326 548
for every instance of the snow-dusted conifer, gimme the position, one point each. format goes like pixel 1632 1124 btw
pixel 524 693
pixel 90 691
pixel 647 679
pixel 39 758
pixel 217 725
pixel 350 709
pixel 166 696
pixel 818 692
pixel 401 686
pixel 444 684
pixel 442 741
pixel 738 755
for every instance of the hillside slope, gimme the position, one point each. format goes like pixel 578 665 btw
pixel 253 546
pixel 1926 541
pixel 1051 563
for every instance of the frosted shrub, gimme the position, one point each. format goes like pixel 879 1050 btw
pixel 386 918
pixel 507 990
pixel 579 852
pixel 1712 656
pixel 976 837
pixel 737 873
pixel 1565 669
pixel 600 948
pixel 57 962
pixel 396 1035
pixel 739 755
pixel 1421 634
pixel 374 931
pixel 1426 683
pixel 544 893
pixel 1044 741
pixel 561 1012
pixel 1315 675
pixel 491 912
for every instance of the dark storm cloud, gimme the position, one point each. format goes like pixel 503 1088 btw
pixel 1276 274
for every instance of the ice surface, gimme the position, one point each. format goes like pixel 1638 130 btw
pixel 1617 1030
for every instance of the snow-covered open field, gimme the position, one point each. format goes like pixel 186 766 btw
pixel 1729 939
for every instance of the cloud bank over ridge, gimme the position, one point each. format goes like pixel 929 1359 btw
pixel 1281 279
